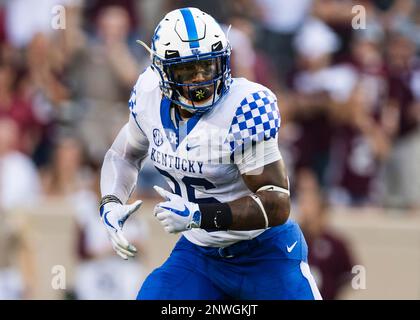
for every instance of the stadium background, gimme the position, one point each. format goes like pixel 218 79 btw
pixel 350 105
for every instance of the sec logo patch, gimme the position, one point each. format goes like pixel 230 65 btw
pixel 157 137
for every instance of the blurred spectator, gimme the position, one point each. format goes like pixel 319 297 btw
pixel 218 9
pixel 19 188
pixel 247 60
pixel 330 260
pixel 401 174
pixel 338 15
pixel 221 10
pixel 19 181
pixel 43 88
pixel 15 106
pixel 360 144
pixel 37 16
pixel 358 147
pixel 66 175
pixel 280 20
pixel 104 71
pixel 400 15
pixel 317 88
pixel 11 284
pixel 100 274
pixel 93 9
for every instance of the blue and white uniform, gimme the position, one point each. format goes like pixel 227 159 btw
pixel 203 160
pixel 248 113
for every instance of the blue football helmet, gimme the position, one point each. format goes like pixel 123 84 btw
pixel 191 54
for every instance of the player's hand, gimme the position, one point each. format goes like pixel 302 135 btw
pixel 113 216
pixel 176 214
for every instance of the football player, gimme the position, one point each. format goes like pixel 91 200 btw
pixel 214 139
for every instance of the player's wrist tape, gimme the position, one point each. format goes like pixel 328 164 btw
pixel 107 199
pixel 215 216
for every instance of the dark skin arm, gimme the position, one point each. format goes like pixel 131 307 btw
pixel 246 213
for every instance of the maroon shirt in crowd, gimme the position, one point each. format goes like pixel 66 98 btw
pixel 330 262
pixel 354 166
pixel 21 112
pixel 401 90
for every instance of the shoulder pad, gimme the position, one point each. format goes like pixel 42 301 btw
pixel 147 82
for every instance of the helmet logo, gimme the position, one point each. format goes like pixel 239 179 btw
pixel 199 94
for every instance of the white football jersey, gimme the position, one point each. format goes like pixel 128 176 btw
pixel 203 158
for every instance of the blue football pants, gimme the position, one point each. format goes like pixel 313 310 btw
pixel 270 266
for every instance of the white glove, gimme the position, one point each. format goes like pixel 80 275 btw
pixel 113 216
pixel 176 214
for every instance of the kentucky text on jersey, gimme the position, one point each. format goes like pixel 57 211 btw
pixel 178 163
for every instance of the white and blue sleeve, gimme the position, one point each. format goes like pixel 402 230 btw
pixel 253 132
pixel 124 159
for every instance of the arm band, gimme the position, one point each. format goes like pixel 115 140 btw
pixel 106 199
pixel 258 201
pixel 215 216
pixel 274 188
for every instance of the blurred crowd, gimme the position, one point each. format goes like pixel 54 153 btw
pixel 348 94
